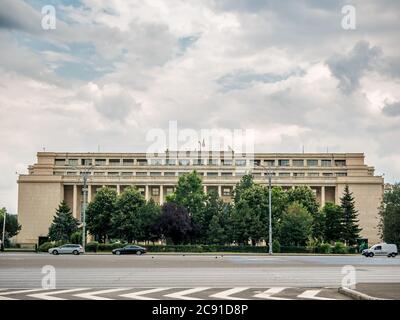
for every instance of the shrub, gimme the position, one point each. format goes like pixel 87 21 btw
pixel 92 246
pixel 276 246
pixel 76 237
pixel 324 248
pixel 339 248
pixel 44 247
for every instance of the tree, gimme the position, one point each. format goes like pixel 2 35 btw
pixel 126 220
pixel 296 225
pixel 246 182
pixel 190 194
pixel 217 214
pixel 174 223
pixel 305 196
pixel 389 213
pixel 99 213
pixel 333 222
pixel 148 216
pixel 350 227
pixel 12 226
pixel 64 224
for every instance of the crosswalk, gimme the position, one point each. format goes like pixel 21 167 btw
pixel 164 293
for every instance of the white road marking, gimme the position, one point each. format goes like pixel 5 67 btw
pixel 50 295
pixel 17 292
pixel 94 295
pixel 227 294
pixel 139 294
pixel 183 294
pixel 311 294
pixel 268 294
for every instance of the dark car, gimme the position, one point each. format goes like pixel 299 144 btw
pixel 129 249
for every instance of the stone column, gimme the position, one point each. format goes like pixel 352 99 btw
pixel 220 191
pixel 118 189
pixel 146 193
pixel 75 201
pixel 205 189
pixel 89 193
pixel 322 196
pixel 161 195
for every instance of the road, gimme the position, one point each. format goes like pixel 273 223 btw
pixel 201 276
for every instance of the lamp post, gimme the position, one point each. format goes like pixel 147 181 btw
pixel 4 231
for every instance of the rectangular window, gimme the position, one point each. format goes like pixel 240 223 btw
pixel 60 162
pixel 141 173
pixel 212 174
pixel 99 173
pixel 126 174
pixel 73 162
pixel 86 162
pixel 127 162
pixel 212 162
pixel 142 190
pixel 256 163
pixel 341 174
pixel 298 174
pixel 155 174
pixel 71 173
pixel 256 174
pixel 170 162
pixel 155 191
pixel 240 163
pixel 284 174
pixel 326 163
pixel 298 163
pixel 226 174
pixel 156 162
pixel 226 162
pixel 169 174
pixel 226 191
pixel 184 162
pixel 58 173
pixel 269 163
pixel 313 174
pixel 113 173
pixel 312 163
pixel 100 162
pixel 142 162
pixel 198 162
pixel 283 162
pixel 340 163
pixel 327 174
pixel 114 162
pixel 181 173
pixel 169 190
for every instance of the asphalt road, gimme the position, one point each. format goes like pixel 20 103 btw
pixel 202 275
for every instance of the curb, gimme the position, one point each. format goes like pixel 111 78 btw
pixel 356 295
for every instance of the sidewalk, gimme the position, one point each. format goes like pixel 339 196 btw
pixel 367 291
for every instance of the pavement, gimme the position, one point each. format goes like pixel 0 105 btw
pixel 199 276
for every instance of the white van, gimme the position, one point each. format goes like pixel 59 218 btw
pixel 381 249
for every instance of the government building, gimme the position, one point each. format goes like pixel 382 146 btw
pixel 58 176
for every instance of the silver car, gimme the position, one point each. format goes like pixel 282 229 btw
pixel 67 249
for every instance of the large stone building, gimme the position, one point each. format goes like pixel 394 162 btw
pixel 58 176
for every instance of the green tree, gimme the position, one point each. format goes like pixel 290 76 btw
pixel 305 196
pixel 99 213
pixel 190 194
pixel 296 227
pixel 148 216
pixel 64 224
pixel 333 222
pixel 126 220
pixel 350 229
pixel 217 213
pixel 389 213
pixel 246 182
pixel 12 226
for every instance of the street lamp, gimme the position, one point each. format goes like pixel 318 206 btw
pixel 85 173
pixel 4 231
pixel 269 174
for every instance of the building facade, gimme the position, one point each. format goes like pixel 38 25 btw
pixel 57 176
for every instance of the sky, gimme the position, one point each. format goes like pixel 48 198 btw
pixel 113 70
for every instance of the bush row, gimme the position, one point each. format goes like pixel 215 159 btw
pixel 338 248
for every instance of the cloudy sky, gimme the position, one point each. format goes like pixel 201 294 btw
pixel 114 69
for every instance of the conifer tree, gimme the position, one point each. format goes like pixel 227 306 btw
pixel 350 229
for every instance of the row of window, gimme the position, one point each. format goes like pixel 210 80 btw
pixel 199 162
pixel 209 174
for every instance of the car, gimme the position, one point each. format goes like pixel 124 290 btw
pixel 130 249
pixel 75 249
pixel 381 249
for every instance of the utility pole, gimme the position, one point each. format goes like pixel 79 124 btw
pixel 270 211
pixel 85 175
